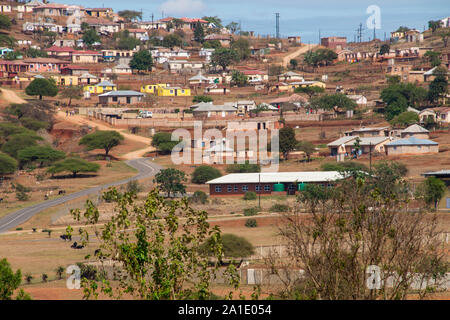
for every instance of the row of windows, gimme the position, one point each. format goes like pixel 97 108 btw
pixel 244 188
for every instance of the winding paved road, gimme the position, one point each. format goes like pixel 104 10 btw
pixel 145 167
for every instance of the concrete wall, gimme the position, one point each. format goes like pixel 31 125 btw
pixel 399 150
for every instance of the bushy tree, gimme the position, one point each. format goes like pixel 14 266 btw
pixel 246 167
pixel 73 165
pixel 72 92
pixel 43 155
pixel 238 78
pixel 7 164
pixel 202 174
pixel 233 27
pixel 311 91
pixel 155 249
pixel 198 99
pixel 288 142
pixel 142 61
pixel 5 22
pixel 406 118
pixel 434 25
pixel 33 124
pixel 90 37
pixel 163 142
pixel 233 246
pixel 307 147
pixel 102 140
pixel 9 280
pixel 330 101
pixel 42 87
pixel 242 47
pixel 438 88
pixel 399 96
pixel 434 57
pixel 171 181
pixel 224 57
pixel 344 166
pixel 130 15
pixel 18 142
pixel 385 48
pixel 434 190
pixel 172 40
pixel 212 44
pixel 199 33
pixel 320 57
pixel 293 63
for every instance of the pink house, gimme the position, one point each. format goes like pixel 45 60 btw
pixel 45 64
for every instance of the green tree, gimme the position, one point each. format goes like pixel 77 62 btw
pixel 242 47
pixel 9 281
pixel 212 44
pixel 224 57
pixel 102 140
pixel 33 124
pixel 72 92
pixel 434 25
pixel 311 91
pixel 198 99
pixel 433 57
pixel 202 174
pixel 346 166
pixel 215 20
pixel 155 249
pixel 438 88
pixel 7 164
pixel 142 61
pixel 90 37
pixel 5 22
pixel 171 181
pixel 18 142
pixel 293 63
pixel 59 272
pixel 199 33
pixel 330 101
pixel 434 190
pixel 43 155
pixel 307 147
pixel 130 15
pixel 288 142
pixel 406 118
pixel 199 197
pixel 172 40
pixel 9 129
pixel 385 48
pixel 42 87
pixel 73 165
pixel 233 27
pixel 445 35
pixel 399 96
pixel 233 246
pixel 238 78
pixel 320 57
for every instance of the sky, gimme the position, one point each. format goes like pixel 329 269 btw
pixel 297 17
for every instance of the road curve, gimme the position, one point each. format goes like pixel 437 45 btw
pixel 145 167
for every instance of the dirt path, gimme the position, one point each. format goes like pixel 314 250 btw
pixel 81 120
pixel 10 96
pixel 296 53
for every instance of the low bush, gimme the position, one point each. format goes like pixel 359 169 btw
pixel 251 223
pixel 251 211
pixel 250 195
pixel 278 207
pixel 199 197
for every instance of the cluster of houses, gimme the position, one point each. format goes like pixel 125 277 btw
pixel 383 140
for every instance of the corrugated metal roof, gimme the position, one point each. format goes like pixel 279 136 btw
pixel 122 93
pixel 415 128
pixel 411 141
pixel 341 141
pixel 279 177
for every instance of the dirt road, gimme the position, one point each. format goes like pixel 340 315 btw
pixel 10 96
pixel 296 53
pixel 81 120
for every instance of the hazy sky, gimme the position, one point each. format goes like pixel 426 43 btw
pixel 297 17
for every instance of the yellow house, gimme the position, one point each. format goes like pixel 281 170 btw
pixel 152 88
pixel 66 80
pixel 104 86
pixel 308 84
pixel 173 92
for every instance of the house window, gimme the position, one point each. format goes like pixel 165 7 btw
pixel 258 188
pixel 245 188
pixel 267 187
pixel 229 188
pixel 218 188
pixel 171 91
pixel 115 99
pixel 236 188
pixel 78 58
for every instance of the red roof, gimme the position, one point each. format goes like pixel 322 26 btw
pixel 73 67
pixel 59 49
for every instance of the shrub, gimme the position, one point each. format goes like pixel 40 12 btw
pixel 44 277
pixel 251 211
pixel 233 246
pixel 199 197
pixel 251 223
pixel 28 278
pixel 19 229
pixel 22 196
pixel 250 195
pixel 278 207
pixel 134 187
pixel 203 174
pixel 243 168
pixel 21 188
pixel 88 271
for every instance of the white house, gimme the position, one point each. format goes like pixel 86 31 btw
pixel 359 99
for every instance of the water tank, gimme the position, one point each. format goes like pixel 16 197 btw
pixel 301 186
pixel 279 187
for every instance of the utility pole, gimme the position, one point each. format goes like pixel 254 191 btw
pixel 374 34
pixel 319 37
pixel 277 16
pixel 370 156
pixel 259 184
pixel 359 31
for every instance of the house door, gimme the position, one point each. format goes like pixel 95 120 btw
pixel 128 100
pixel 224 90
pixel 448 203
